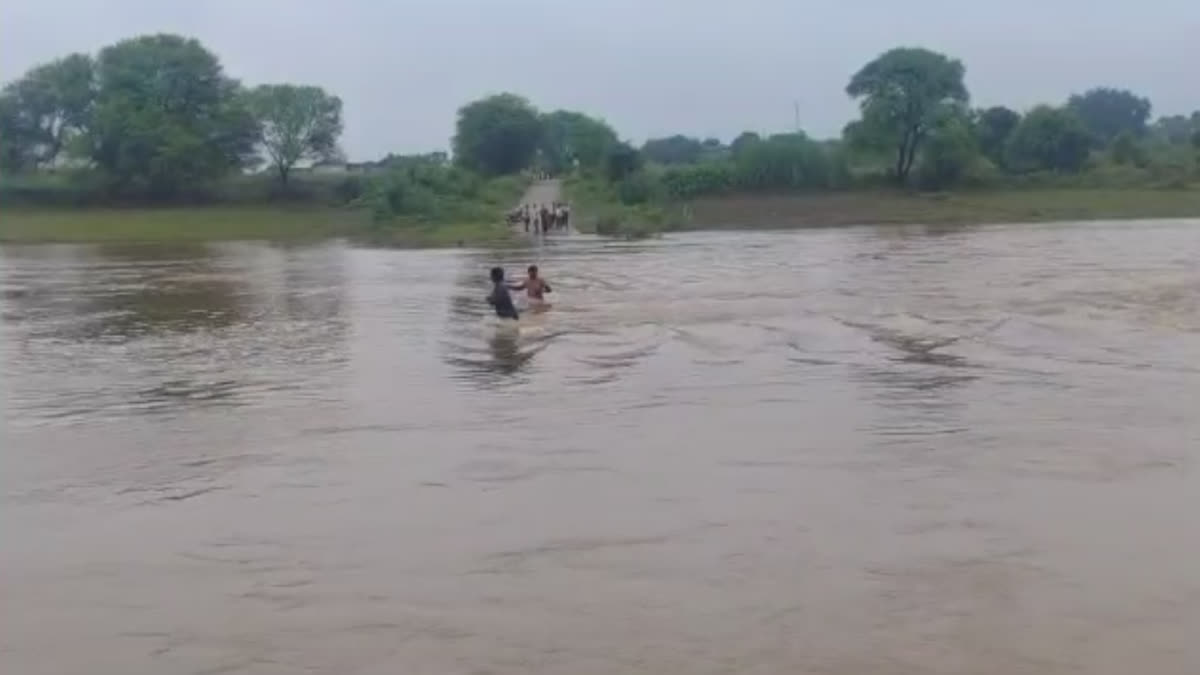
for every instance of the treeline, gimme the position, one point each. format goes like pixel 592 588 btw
pixel 156 118
pixel 497 141
pixel 917 130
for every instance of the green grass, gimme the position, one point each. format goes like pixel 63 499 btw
pixel 596 204
pixel 198 224
pixel 960 208
pixel 596 209
pixel 593 206
pixel 46 224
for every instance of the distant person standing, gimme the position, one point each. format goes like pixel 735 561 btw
pixel 560 216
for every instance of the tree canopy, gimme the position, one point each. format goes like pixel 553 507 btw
pixel 44 109
pixel 1049 139
pixel 157 117
pixel 743 141
pixel 677 149
pixel 992 129
pixel 948 153
pixel 569 137
pixel 497 135
pixel 902 94
pixel 1176 129
pixel 622 160
pixel 1107 112
pixel 166 117
pixel 297 122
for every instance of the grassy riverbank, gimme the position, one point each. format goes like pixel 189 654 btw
pixel 190 224
pixel 597 210
pixel 960 208
pixel 598 207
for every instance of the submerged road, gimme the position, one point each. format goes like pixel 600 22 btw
pixel 541 192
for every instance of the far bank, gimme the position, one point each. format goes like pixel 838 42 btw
pixel 601 211
pixel 226 223
pixel 959 208
pixel 593 211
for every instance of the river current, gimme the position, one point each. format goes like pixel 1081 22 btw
pixel 884 450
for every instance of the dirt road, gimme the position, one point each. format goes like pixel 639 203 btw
pixel 542 192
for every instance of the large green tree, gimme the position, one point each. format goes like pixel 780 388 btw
pixel 1049 139
pixel 297 123
pixel 677 149
pixel 621 161
pixel 1176 129
pixel 16 150
pixel 992 128
pixel 948 154
pixel 903 94
pixel 166 117
pixel 1128 149
pixel 41 112
pixel 743 141
pixel 1108 112
pixel 569 137
pixel 783 161
pixel 497 135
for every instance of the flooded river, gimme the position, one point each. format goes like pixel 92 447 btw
pixel 865 450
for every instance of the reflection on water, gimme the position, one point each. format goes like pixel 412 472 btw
pixel 884 450
pixel 115 330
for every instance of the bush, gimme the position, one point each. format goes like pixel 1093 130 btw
pixel 686 182
pixel 946 158
pixel 1049 139
pixel 1127 150
pixel 636 188
pixel 607 224
pixel 638 230
pixel 349 189
pixel 438 195
pixel 628 223
pixel 67 189
pixel 621 160
pixel 785 162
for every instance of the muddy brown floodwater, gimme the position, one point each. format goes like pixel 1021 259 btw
pixel 891 450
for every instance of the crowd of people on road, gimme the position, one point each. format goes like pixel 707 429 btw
pixel 542 218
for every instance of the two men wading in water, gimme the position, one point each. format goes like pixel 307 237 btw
pixel 535 288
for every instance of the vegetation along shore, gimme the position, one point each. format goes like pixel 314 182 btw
pixel 101 148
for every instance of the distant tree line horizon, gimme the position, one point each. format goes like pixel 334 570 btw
pixel 155 116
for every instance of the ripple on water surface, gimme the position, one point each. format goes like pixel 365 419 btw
pixel 886 450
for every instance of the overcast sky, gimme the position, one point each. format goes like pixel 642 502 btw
pixel 650 67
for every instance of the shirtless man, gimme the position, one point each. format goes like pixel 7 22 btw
pixel 535 288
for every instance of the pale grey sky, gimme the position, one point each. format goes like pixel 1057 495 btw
pixel 650 67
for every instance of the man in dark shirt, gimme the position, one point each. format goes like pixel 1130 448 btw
pixel 500 299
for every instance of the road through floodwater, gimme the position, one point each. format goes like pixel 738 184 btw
pixel 867 450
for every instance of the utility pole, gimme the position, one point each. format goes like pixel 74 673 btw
pixel 796 106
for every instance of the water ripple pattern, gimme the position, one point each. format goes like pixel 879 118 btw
pixel 887 450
